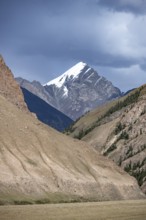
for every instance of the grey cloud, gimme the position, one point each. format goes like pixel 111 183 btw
pixel 42 38
pixel 134 6
pixel 143 64
pixel 124 78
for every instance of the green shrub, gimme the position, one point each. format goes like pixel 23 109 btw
pixel 120 161
pixel 134 170
pixel 110 149
pixel 22 202
pixel 119 128
pixel 32 162
pixel 128 168
pixel 80 134
pixel 139 176
pixel 130 127
pixel 42 201
pixel 124 135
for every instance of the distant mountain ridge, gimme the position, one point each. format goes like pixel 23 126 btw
pixel 75 92
pixel 45 112
pixel 35 88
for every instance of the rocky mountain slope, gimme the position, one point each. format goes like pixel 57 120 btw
pixel 75 92
pixel 79 90
pixel 39 165
pixel 45 112
pixel 35 88
pixel 118 131
pixel 9 87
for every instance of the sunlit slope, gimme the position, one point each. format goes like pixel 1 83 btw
pixel 39 164
pixel 118 131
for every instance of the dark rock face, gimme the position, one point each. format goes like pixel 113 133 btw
pixel 79 90
pixel 45 112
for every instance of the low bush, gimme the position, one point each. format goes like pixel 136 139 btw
pixel 110 149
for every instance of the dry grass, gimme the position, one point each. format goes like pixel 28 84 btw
pixel 119 210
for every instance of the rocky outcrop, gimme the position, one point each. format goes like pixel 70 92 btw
pixel 9 87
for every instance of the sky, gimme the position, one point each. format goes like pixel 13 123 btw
pixel 41 39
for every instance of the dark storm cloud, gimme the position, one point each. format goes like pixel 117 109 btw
pixel 42 38
pixel 134 6
pixel 143 64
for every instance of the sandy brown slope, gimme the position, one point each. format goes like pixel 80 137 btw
pixel 38 163
pixel 118 131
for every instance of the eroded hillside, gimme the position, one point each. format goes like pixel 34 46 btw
pixel 118 131
pixel 39 164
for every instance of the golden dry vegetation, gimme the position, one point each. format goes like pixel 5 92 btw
pixel 118 210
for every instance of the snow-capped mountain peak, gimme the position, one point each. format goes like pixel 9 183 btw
pixel 79 90
pixel 72 73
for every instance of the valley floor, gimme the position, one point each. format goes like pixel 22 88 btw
pixel 116 210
